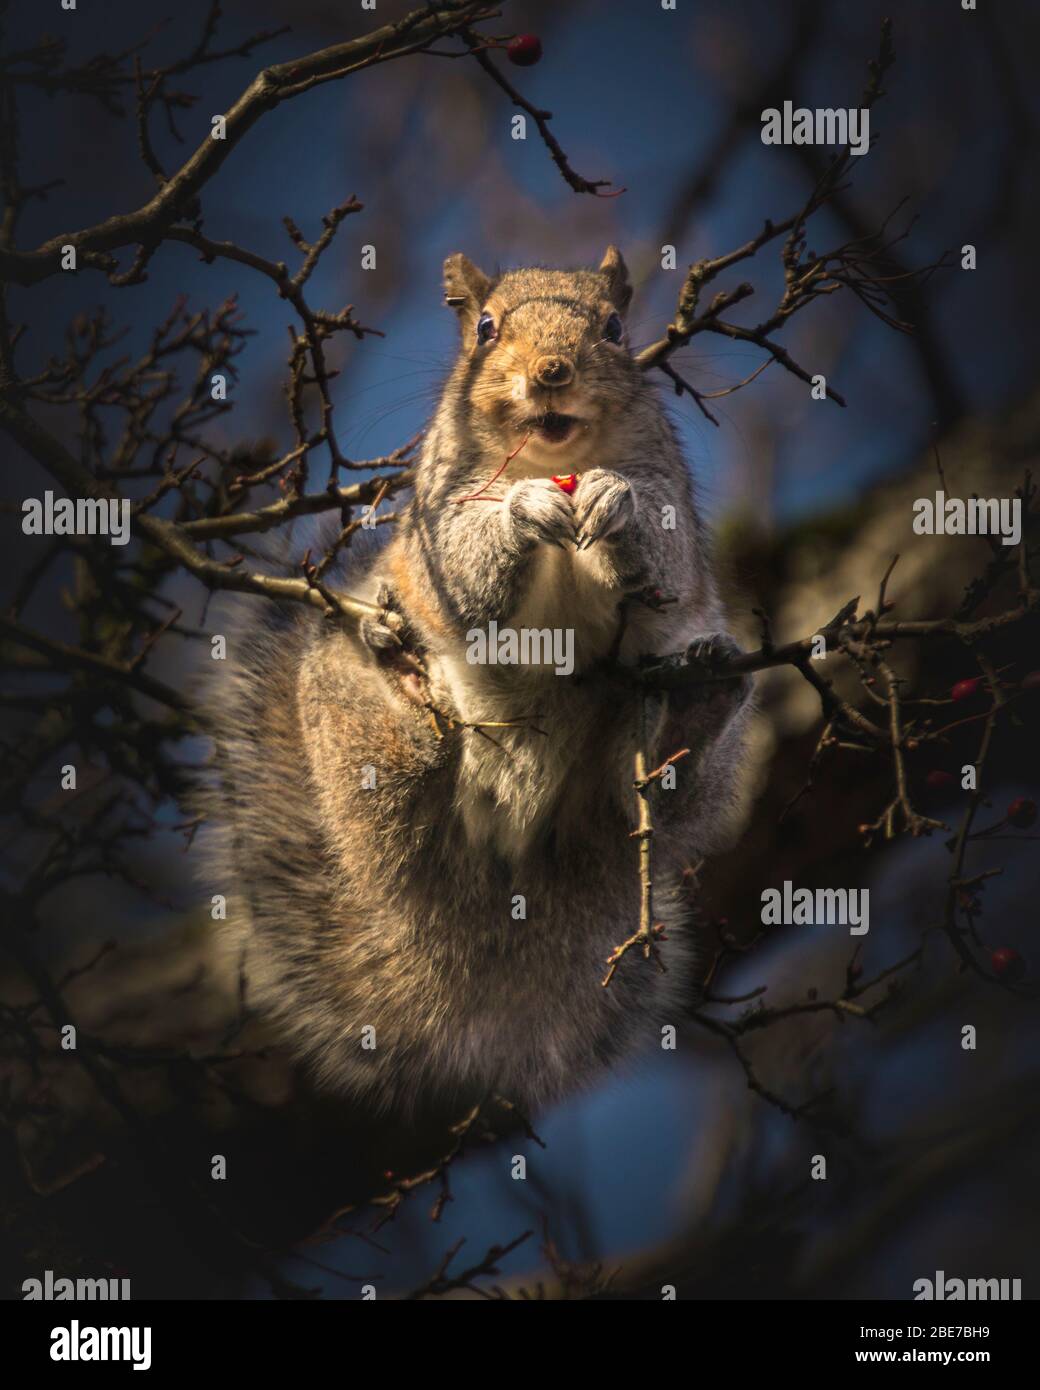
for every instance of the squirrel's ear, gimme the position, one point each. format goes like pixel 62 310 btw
pixel 465 288
pixel 614 268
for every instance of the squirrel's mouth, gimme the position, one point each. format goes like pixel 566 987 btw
pixel 553 427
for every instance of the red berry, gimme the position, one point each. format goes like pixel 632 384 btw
pixel 1031 681
pixel 1007 963
pixel 566 482
pixel 524 50
pixel 940 781
pixel 964 690
pixel 1022 812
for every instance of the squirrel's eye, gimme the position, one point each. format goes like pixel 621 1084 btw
pixel 486 329
pixel 613 329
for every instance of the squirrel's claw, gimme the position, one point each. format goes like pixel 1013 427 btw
pixel 603 504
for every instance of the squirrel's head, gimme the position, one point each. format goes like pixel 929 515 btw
pixel 544 354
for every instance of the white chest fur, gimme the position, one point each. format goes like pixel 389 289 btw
pixel 531 718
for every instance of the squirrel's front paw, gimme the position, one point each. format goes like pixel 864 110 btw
pixel 535 509
pixel 603 504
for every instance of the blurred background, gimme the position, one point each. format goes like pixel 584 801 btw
pixel 674 1172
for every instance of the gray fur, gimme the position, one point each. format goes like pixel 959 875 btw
pixel 392 907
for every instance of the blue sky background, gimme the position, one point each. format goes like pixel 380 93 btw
pixel 638 96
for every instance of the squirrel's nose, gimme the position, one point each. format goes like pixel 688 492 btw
pixel 553 371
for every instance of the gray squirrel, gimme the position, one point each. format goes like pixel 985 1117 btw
pixel 428 865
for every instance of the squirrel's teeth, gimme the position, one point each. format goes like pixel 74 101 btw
pixel 555 427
